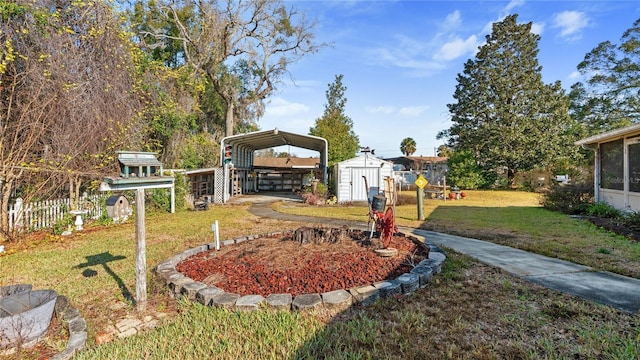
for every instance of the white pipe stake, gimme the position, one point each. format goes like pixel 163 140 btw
pixel 216 231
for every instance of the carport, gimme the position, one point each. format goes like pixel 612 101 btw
pixel 237 156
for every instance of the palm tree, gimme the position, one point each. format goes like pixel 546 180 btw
pixel 408 146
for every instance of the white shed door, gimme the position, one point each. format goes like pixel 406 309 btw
pixel 358 190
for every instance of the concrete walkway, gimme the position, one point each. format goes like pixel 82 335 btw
pixel 618 291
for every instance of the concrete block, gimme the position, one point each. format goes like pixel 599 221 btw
pixel 205 295
pixel 191 289
pixel 338 299
pixel 434 264
pixel 388 288
pixel 225 300
pixel 306 302
pixel 409 282
pixel 425 273
pixel 365 295
pixel 249 302
pixel 280 301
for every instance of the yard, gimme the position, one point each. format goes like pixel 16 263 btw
pixel 470 311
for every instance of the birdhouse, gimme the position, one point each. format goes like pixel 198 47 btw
pixel 118 208
pixel 138 164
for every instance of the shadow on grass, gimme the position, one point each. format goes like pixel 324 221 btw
pixel 104 259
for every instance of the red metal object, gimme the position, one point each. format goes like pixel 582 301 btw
pixel 385 221
pixel 386 225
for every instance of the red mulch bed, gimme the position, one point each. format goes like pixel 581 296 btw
pixel 280 265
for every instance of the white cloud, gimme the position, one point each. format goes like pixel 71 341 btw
pixel 575 75
pixel 456 48
pixel 512 5
pixel 413 110
pixel 279 107
pixel 380 109
pixel 407 53
pixel 570 23
pixel 452 21
pixel 537 28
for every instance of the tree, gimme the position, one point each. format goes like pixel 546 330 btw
pixel 609 99
pixel 68 97
pixel 335 126
pixel 408 146
pixel 243 48
pixel 505 115
pixel 464 171
pixel 444 151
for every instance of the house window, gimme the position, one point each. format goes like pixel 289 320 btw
pixel 612 165
pixel 634 167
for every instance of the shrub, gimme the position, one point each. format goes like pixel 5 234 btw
pixel 632 220
pixel 603 210
pixel 159 200
pixel 317 196
pixel 104 218
pixel 569 199
pixel 63 224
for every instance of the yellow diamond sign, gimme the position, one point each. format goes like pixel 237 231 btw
pixel 421 182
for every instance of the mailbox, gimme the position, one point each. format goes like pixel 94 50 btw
pixel 118 208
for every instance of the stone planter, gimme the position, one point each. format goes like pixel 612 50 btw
pixel 25 316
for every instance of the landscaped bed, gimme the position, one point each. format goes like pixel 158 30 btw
pixel 272 265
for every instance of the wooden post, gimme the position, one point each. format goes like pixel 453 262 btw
pixel 444 188
pixel 141 256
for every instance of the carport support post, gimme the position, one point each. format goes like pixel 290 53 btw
pixel 420 194
pixel 141 256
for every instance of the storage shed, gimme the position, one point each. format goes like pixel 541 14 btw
pixel 348 176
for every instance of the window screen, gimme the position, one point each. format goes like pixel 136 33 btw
pixel 612 162
pixel 634 167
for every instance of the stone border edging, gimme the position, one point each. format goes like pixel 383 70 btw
pixel 76 325
pixel 181 285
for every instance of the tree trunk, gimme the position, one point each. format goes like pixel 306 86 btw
pixel 229 119
pixel 74 192
pixel 6 187
pixel 511 176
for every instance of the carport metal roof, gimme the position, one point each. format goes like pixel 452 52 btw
pixel 244 145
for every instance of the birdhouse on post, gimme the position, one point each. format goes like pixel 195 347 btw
pixel 139 171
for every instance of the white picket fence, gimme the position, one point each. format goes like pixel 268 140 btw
pixel 44 214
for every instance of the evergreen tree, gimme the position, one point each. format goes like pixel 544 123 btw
pixel 610 97
pixel 335 126
pixel 408 146
pixel 505 115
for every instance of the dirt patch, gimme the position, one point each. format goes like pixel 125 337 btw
pixel 281 265
pixel 616 227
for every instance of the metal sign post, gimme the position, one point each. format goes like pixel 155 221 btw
pixel 420 182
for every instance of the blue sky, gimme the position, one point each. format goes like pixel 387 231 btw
pixel 400 60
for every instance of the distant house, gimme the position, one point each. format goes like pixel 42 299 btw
pixel 420 163
pixel 433 168
pixel 617 166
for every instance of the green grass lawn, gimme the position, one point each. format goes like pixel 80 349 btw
pixel 509 218
pixel 469 311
